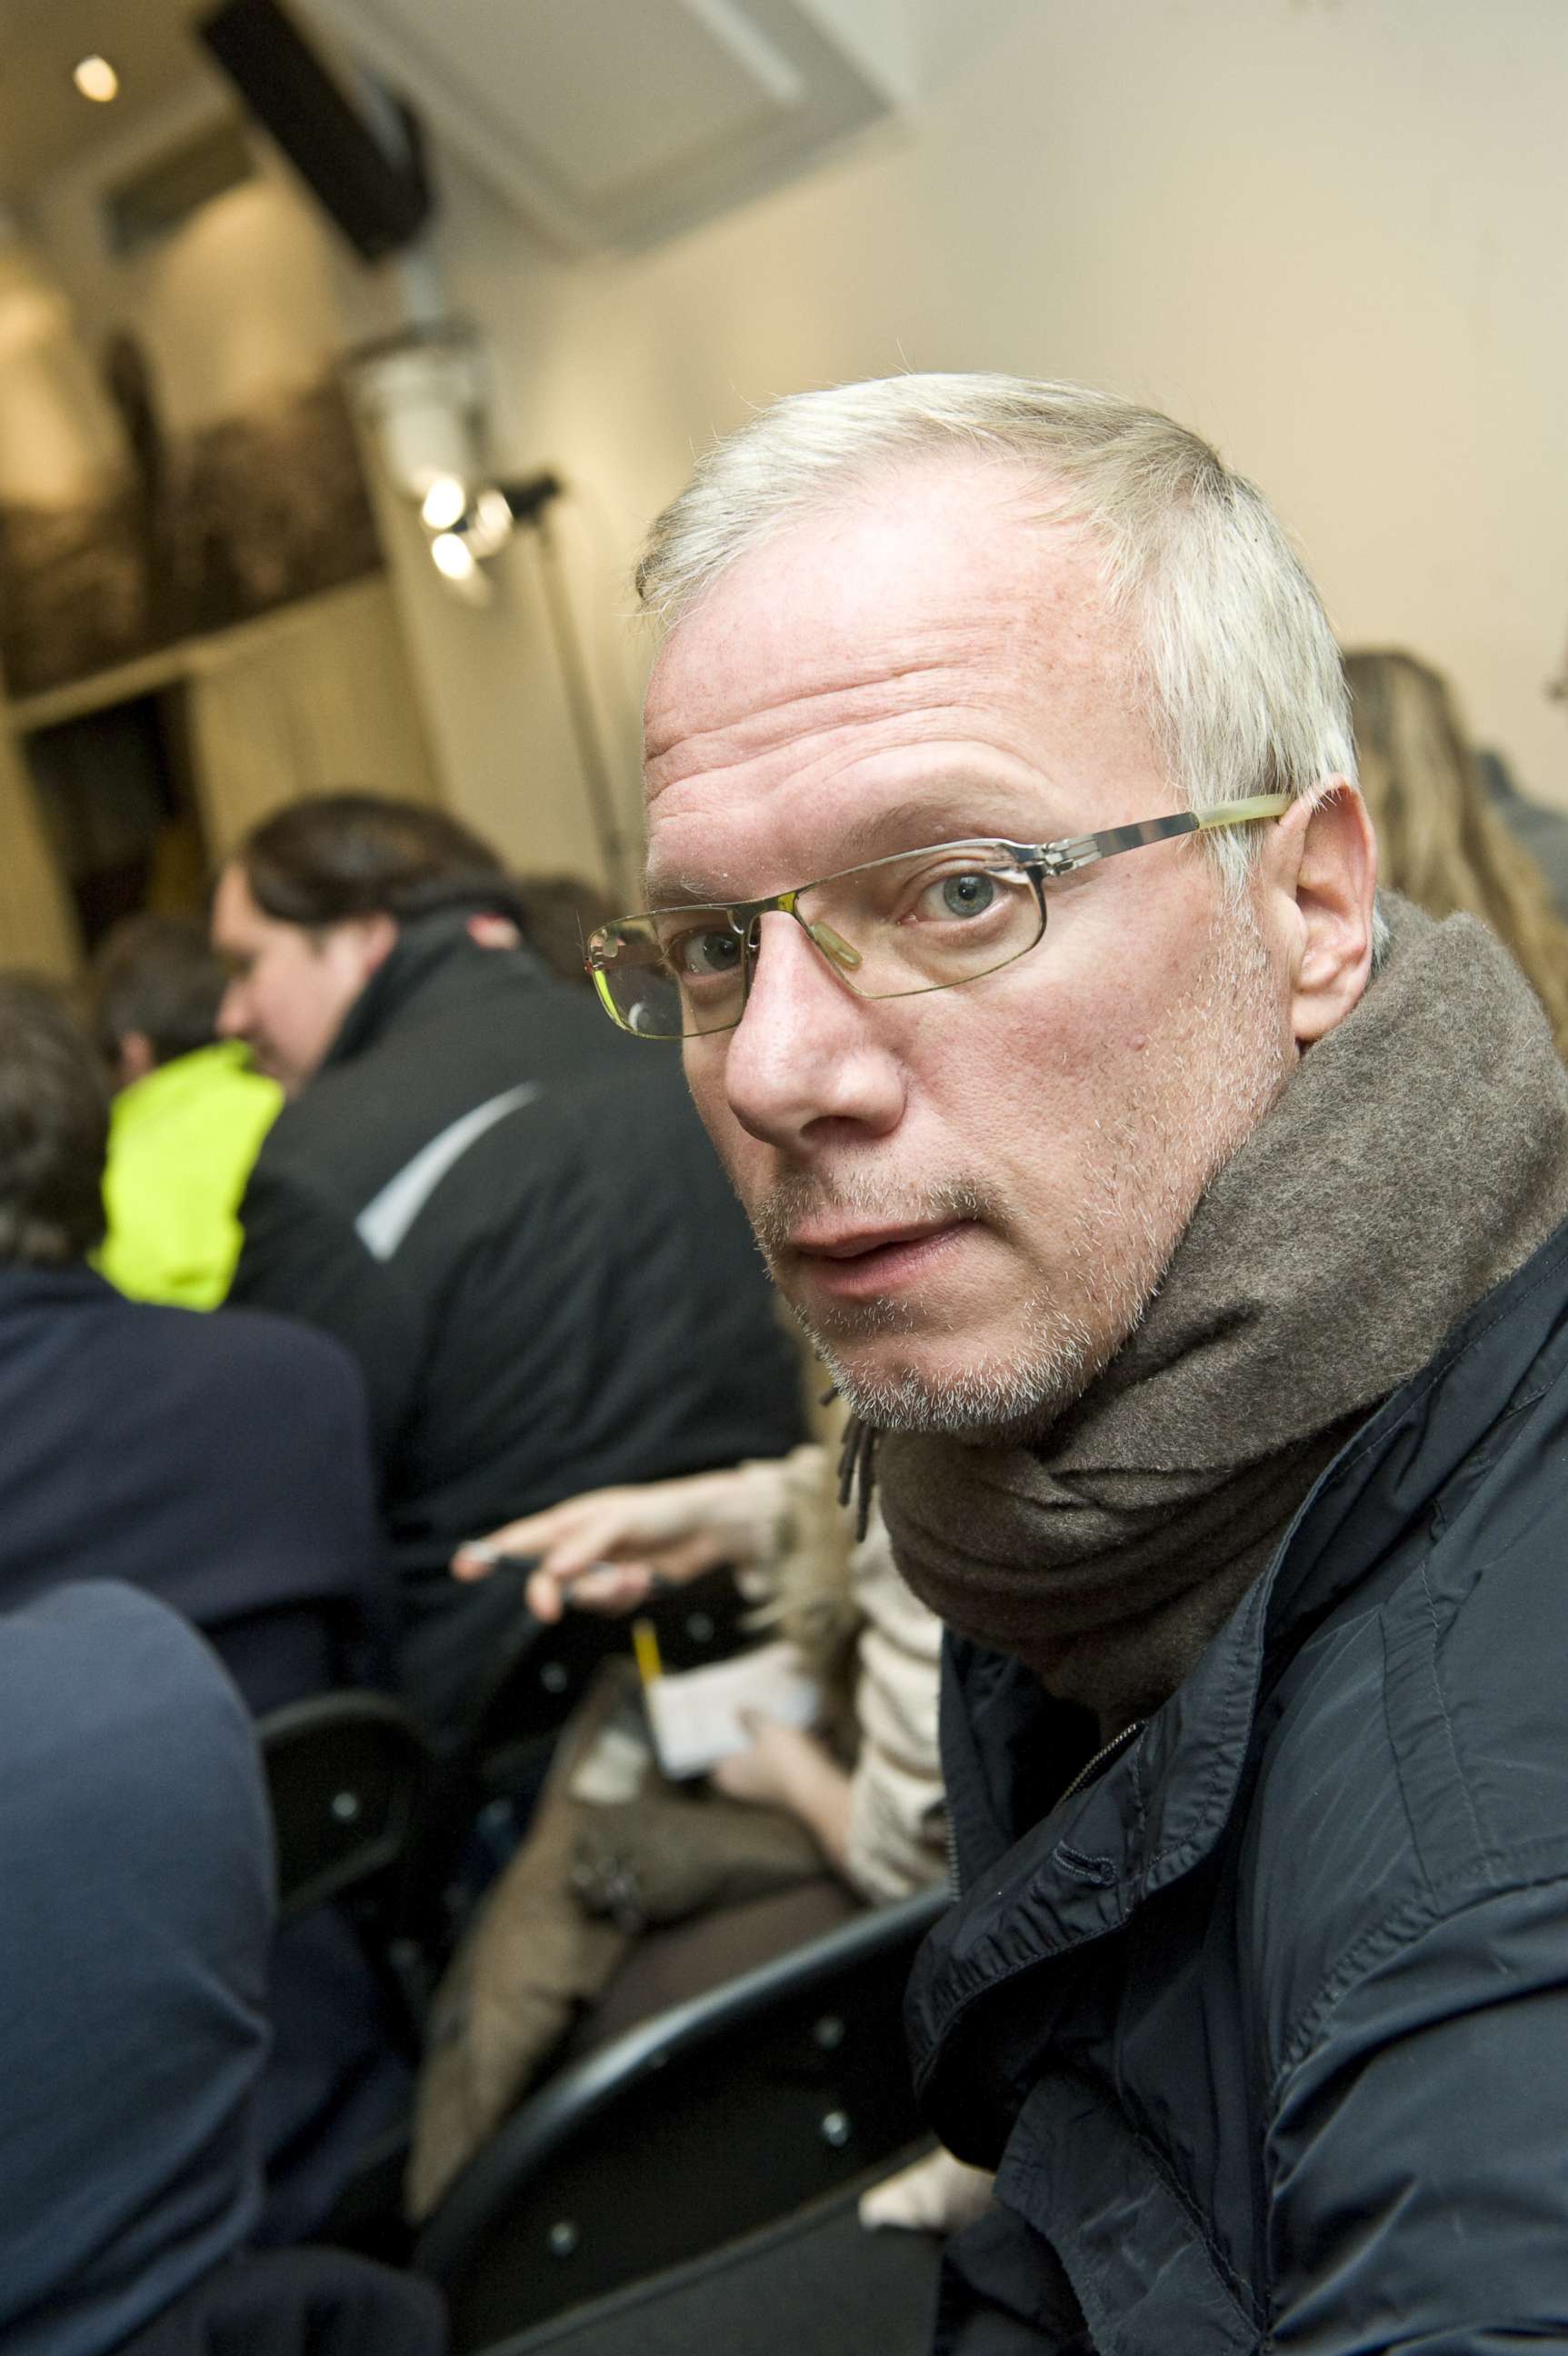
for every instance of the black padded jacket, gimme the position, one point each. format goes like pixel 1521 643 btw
pixel 512 1217
pixel 1264 2025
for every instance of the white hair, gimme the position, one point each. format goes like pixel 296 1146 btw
pixel 1234 652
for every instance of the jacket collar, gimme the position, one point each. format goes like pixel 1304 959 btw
pixel 1161 1805
pixel 434 960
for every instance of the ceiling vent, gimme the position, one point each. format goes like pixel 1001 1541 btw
pixel 161 196
pixel 620 123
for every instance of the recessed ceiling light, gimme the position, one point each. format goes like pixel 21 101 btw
pixel 96 78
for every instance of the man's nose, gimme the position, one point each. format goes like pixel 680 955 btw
pixel 808 1057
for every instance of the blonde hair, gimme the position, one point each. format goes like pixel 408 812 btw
pixel 1440 841
pixel 1236 655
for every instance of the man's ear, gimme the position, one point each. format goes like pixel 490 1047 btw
pixel 374 937
pixel 1328 867
pixel 381 934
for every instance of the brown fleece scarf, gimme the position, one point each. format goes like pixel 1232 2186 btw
pixel 1417 1156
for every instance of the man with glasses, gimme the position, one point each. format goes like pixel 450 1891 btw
pixel 1183 1229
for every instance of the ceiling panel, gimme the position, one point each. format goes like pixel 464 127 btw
pixel 604 122
pixel 622 122
pixel 45 123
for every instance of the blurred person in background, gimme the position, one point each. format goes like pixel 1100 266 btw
pixel 1441 841
pixel 135 1852
pixel 1539 826
pixel 863 1785
pixel 873 1803
pixel 188 1117
pixel 223 1464
pixel 512 1219
pixel 1542 831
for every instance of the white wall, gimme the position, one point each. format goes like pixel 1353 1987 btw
pixel 240 303
pixel 59 439
pixel 1330 234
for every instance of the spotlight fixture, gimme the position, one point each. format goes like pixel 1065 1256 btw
pixel 421 397
pixel 486 523
pixel 96 78
pixel 452 556
pixel 445 503
pixel 422 394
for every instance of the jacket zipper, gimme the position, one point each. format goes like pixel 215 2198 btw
pixel 1091 1766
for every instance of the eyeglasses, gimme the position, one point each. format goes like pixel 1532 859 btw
pixel 894 927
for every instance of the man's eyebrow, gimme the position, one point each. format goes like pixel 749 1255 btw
pixel 950 812
pixel 676 891
pixel 953 813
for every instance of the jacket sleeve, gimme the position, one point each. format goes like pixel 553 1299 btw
pixel 1419 2194
pixel 302 1257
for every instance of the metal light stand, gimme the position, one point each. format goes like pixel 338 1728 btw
pixel 529 501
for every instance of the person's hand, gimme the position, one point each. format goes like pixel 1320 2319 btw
pixel 935 2194
pixel 780 1763
pixel 607 1550
pixel 785 1767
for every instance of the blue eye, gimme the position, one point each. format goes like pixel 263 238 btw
pixel 967 895
pixel 709 953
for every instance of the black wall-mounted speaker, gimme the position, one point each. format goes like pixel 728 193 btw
pixel 380 201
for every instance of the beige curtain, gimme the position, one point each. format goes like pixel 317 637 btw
pixel 37 925
pixel 316 699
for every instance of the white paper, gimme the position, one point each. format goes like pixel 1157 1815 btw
pixel 615 1769
pixel 695 1715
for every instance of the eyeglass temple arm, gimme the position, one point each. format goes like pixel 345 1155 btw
pixel 1063 858
pixel 1083 849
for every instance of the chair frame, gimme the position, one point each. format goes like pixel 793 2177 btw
pixel 619 2110
pixel 306 1877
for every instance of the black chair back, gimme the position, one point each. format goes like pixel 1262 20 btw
pixel 814 2284
pixel 345 1772
pixel 696 2128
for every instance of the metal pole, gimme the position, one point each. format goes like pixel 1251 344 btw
pixel 579 701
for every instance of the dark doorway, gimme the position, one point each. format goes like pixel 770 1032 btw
pixel 119 807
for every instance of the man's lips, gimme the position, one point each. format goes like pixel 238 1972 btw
pixel 855 1243
pixel 860 1262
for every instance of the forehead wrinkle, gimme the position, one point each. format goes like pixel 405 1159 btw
pixel 1052 634
pixel 683 737
pixel 799 719
pixel 955 706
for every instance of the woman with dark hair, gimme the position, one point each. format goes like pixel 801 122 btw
pixel 1439 839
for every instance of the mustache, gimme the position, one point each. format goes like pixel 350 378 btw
pixel 804 1196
